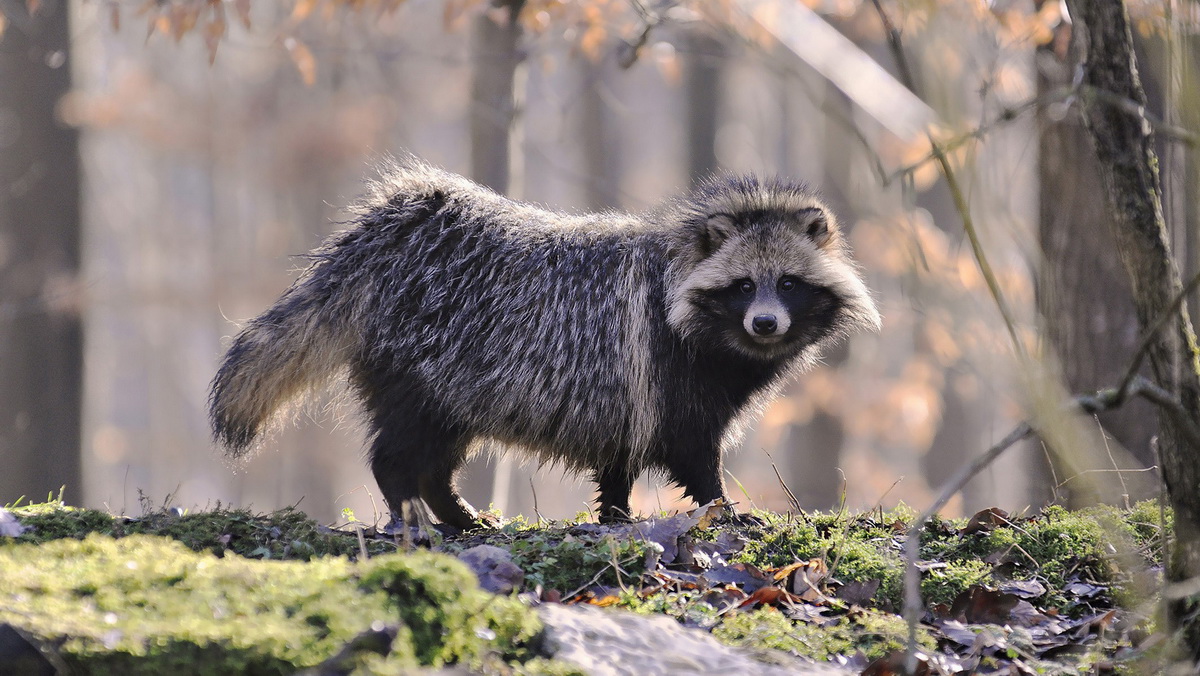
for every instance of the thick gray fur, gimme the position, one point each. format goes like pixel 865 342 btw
pixel 612 343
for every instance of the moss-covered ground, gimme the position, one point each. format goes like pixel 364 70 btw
pixel 228 591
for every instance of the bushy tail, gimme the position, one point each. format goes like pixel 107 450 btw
pixel 290 350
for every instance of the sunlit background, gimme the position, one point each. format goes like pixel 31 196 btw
pixel 219 141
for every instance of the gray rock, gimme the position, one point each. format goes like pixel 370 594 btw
pixel 607 642
pixel 494 568
pixel 9 526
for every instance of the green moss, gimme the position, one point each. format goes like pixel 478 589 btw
pixel 436 597
pixel 687 607
pixel 285 534
pixel 554 558
pixel 780 543
pixel 1147 523
pixel 149 605
pixel 176 607
pixel 856 549
pixel 53 520
pixel 874 633
pixel 1054 547
pixel 1101 545
pixel 942 585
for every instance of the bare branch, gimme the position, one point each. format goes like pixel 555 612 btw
pixel 1150 391
pixel 1131 107
pixel 1148 339
pixel 1007 115
pixel 893 38
pixel 628 51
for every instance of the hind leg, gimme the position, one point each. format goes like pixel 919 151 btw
pixel 615 484
pixel 437 485
pixel 394 473
pixel 415 454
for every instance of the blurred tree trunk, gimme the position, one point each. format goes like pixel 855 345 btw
pixel 701 100
pixel 1128 166
pixel 1083 295
pixel 41 341
pixel 495 56
pixel 1176 59
pixel 495 94
pixel 599 138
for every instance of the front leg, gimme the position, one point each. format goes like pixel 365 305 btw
pixel 694 462
pixel 708 485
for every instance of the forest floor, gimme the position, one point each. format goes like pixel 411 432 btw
pixel 227 591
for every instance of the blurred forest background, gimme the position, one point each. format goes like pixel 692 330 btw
pixel 163 164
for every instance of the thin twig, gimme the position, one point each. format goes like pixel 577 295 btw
pixel 536 511
pixel 1182 418
pixel 960 201
pixel 1113 460
pixel 1006 115
pixel 1091 404
pixel 787 491
pixel 362 543
pixel 989 276
pixel 1131 107
pixel 1086 472
pixel 1131 384
pixel 893 38
pixel 1053 474
pixel 627 54
pixel 596 578
pixel 1058 95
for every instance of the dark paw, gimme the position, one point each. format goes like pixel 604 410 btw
pixel 741 520
pixel 614 515
pixel 420 534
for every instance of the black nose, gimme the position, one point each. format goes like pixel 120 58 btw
pixel 765 325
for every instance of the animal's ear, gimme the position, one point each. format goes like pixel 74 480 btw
pixel 715 231
pixel 815 225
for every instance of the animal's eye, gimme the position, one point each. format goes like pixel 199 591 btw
pixel 787 283
pixel 746 286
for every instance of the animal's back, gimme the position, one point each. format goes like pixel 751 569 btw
pixel 524 325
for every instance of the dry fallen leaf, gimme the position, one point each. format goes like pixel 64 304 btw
pixel 859 592
pixel 892 664
pixel 771 596
pixel 804 578
pixel 980 605
pixel 984 521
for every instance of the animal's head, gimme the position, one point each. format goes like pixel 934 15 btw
pixel 762 268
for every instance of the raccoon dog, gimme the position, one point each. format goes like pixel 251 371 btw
pixel 611 343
